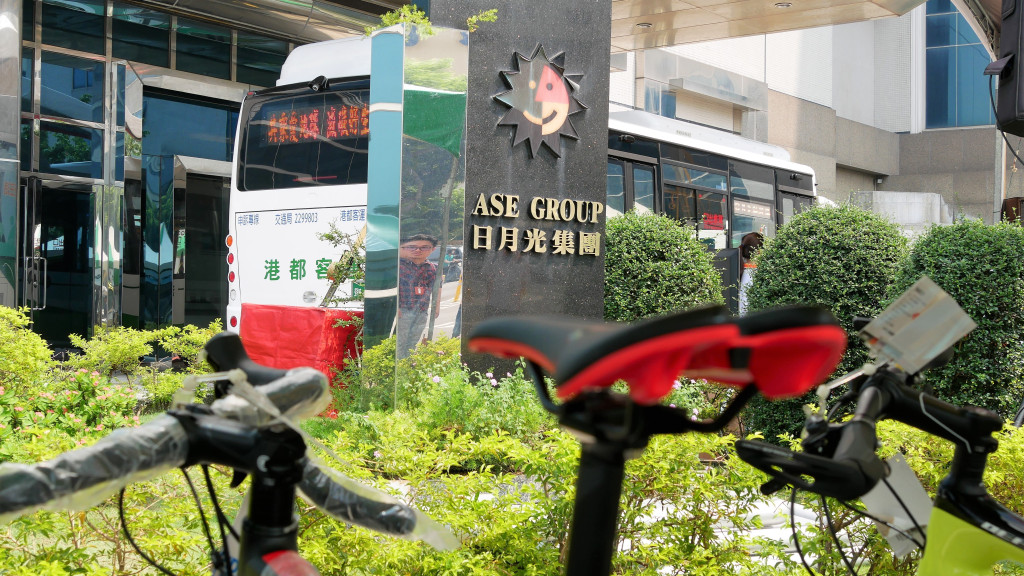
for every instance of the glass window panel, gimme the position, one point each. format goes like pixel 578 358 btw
pixel 119 157
pixel 70 150
pixel 119 96
pixel 694 176
pixel 203 48
pixel 713 227
pixel 77 25
pixel 680 204
pixel 615 195
pixel 643 189
pixel 27 55
pixel 306 140
pixel 974 107
pixel 141 35
pixel 748 216
pixel 26 145
pixel 964 33
pixel 28 20
pixel 941 30
pixel 752 180
pixel 652 97
pixel 174 124
pixel 940 90
pixel 695 157
pixel 258 59
pixel 71 87
pixel 939 7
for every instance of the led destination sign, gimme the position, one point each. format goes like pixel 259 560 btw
pixel 306 124
pixel 330 116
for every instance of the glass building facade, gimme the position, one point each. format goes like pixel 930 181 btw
pixel 957 93
pixel 115 161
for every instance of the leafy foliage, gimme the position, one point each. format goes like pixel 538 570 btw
pixel 187 342
pixel 654 266
pixel 981 268
pixel 116 349
pixel 25 359
pixel 844 258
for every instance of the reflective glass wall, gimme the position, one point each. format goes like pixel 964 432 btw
pixel 108 104
pixel 957 94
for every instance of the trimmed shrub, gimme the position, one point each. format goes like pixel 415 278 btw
pixel 654 266
pixel 844 258
pixel 981 268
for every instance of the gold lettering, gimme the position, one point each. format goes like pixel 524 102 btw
pixel 598 209
pixel 536 241
pixel 511 205
pixel 537 208
pixel 563 242
pixel 567 210
pixel 481 237
pixel 481 207
pixel 496 208
pixel 590 243
pixel 552 209
pixel 509 239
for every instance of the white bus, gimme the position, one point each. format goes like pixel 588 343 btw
pixel 725 185
pixel 304 160
pixel 300 163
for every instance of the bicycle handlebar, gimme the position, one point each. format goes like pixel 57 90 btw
pixel 840 459
pixel 229 432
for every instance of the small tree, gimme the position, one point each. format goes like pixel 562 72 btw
pixel 654 266
pixel 844 258
pixel 981 268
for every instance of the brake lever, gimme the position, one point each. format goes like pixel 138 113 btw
pixel 843 480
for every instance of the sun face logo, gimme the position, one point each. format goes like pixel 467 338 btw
pixel 540 101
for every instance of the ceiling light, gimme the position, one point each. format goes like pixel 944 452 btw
pixel 644 25
pixel 783 4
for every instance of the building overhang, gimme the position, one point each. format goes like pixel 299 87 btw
pixel 641 24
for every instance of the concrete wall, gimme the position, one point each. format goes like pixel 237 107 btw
pixel 958 164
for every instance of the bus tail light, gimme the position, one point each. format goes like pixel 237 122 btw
pixel 234 321
pixel 229 240
pixel 231 276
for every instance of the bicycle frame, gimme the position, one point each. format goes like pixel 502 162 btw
pixel 957 547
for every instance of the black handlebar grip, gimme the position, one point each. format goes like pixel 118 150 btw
pixel 225 352
pixel 341 503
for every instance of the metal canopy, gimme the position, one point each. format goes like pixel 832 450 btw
pixel 640 24
pixel 302 20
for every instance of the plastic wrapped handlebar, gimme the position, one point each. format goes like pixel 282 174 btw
pixel 85 477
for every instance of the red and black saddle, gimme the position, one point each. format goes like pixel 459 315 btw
pixel 783 352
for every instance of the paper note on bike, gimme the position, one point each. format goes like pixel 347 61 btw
pixel 917 327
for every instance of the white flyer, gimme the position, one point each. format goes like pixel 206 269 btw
pixel 917 327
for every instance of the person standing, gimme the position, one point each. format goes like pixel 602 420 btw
pixel 416 278
pixel 750 243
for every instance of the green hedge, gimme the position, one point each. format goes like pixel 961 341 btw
pixel 654 266
pixel 981 267
pixel 844 258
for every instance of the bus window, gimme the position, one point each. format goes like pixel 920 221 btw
pixel 293 141
pixel 713 227
pixel 616 189
pixel 694 175
pixel 792 204
pixel 751 217
pixel 643 188
pixel 752 180
pixel 680 204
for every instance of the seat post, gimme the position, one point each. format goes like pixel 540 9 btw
pixel 611 430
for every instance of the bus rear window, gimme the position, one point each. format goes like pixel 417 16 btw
pixel 317 139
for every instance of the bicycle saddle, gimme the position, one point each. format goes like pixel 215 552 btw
pixel 784 352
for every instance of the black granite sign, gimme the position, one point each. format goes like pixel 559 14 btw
pixel 536 155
